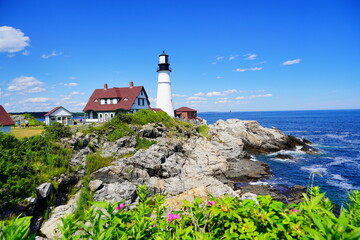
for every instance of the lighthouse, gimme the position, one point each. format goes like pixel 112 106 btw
pixel 164 95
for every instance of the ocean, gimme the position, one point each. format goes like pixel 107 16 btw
pixel 336 133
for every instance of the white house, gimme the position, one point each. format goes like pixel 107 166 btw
pixel 59 114
pixel 5 121
pixel 104 103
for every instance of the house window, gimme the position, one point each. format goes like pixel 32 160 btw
pixel 108 101
pixel 102 101
pixel 96 100
pixel 100 116
pixel 111 115
pixel 140 101
pixel 125 99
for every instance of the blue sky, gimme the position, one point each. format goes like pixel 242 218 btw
pixel 226 55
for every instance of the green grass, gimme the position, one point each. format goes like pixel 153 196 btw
pixel 203 129
pixel 20 133
pixel 143 143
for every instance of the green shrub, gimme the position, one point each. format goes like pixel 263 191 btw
pixel 15 229
pixel 26 163
pixel 95 161
pixel 57 130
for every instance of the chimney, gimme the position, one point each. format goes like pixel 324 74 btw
pixel 131 84
pixel 105 86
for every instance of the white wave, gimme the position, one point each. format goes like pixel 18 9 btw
pixel 340 160
pixel 258 183
pixel 315 168
pixel 342 184
pixel 337 177
pixel 253 158
pixel 339 137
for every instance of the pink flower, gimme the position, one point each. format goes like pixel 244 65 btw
pixel 119 207
pixel 295 210
pixel 173 216
pixel 211 203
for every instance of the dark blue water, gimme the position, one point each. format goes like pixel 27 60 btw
pixel 335 132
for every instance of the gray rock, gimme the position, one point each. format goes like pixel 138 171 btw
pixel 116 192
pixel 95 185
pixel 249 196
pixel 44 190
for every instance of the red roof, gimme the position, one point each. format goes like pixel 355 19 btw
pixel 5 119
pixel 185 109
pixel 129 93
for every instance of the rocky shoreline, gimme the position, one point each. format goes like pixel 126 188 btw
pixel 182 164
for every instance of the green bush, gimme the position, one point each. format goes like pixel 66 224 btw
pixel 26 163
pixel 33 122
pixel 217 218
pixel 56 131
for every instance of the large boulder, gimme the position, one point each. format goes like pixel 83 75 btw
pixel 44 190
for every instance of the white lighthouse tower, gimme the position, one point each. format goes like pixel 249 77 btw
pixel 164 94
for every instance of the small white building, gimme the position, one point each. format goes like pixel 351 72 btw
pixel 60 115
pixel 5 121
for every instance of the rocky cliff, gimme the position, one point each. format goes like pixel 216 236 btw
pixel 183 164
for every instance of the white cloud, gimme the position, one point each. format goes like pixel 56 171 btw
pixel 199 94
pixel 12 40
pixel 248 69
pixel 75 93
pixel 11 55
pixel 52 54
pixel 25 53
pixel 259 63
pixel 250 56
pixel 290 62
pixel 72 78
pixel 213 62
pixel 195 102
pixel 218 77
pixel 73 84
pixel 26 84
pixel 223 93
pixel 179 95
pixel 36 100
pixel 220 58
pixel 36 89
pixel 253 96
pixel 196 98
pixel 232 58
pixel 222 101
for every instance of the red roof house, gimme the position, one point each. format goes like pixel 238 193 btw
pixel 186 113
pixel 5 120
pixel 104 103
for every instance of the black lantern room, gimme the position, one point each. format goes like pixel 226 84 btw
pixel 164 64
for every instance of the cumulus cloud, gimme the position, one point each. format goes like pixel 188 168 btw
pixel 232 58
pixel 291 62
pixel 222 101
pixel 52 54
pixel 259 63
pixel 12 40
pixel 36 89
pixel 26 84
pixel 223 93
pixel 253 96
pixel 218 77
pixel 75 93
pixel 199 94
pixel 248 69
pixel 73 84
pixel 196 98
pixel 72 78
pixel 179 95
pixel 25 53
pixel 250 56
pixel 220 58
pixel 36 100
